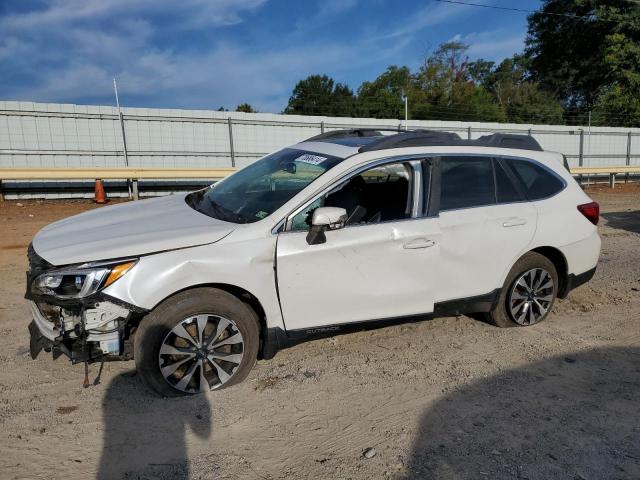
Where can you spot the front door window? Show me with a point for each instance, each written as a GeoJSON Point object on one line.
{"type": "Point", "coordinates": [380, 194]}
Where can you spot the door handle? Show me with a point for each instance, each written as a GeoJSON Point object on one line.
{"type": "Point", "coordinates": [514, 222]}
{"type": "Point", "coordinates": [419, 243]}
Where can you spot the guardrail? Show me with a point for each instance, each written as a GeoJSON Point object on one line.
{"type": "Point", "coordinates": [134, 174]}
{"type": "Point", "coordinates": [122, 173]}
{"type": "Point", "coordinates": [611, 171]}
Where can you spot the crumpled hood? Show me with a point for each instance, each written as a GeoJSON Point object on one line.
{"type": "Point", "coordinates": [127, 230]}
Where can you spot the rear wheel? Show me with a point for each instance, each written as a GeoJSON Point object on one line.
{"type": "Point", "coordinates": [198, 340]}
{"type": "Point", "coordinates": [528, 293]}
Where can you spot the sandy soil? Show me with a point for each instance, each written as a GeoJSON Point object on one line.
{"type": "Point", "coordinates": [447, 398]}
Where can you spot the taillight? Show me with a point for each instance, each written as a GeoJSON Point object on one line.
{"type": "Point", "coordinates": [591, 211]}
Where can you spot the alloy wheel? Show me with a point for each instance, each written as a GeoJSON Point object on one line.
{"type": "Point", "coordinates": [201, 353]}
{"type": "Point", "coordinates": [531, 296]}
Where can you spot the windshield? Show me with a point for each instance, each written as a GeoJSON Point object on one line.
{"type": "Point", "coordinates": [255, 192]}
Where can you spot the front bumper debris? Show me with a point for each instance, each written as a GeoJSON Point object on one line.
{"type": "Point", "coordinates": [84, 335]}
{"type": "Point", "coordinates": [96, 327]}
{"type": "Point", "coordinates": [37, 341]}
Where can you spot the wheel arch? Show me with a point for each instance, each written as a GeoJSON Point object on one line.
{"type": "Point", "coordinates": [560, 262]}
{"type": "Point", "coordinates": [241, 294]}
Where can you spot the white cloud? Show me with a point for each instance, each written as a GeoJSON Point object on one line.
{"type": "Point", "coordinates": [70, 54]}
{"type": "Point", "coordinates": [492, 44]}
{"type": "Point", "coordinates": [69, 51]}
{"type": "Point", "coordinates": [427, 17]}
{"type": "Point", "coordinates": [334, 7]}
{"type": "Point", "coordinates": [184, 12]}
{"type": "Point", "coordinates": [226, 75]}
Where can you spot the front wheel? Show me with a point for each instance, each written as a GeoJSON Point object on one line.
{"type": "Point", "coordinates": [528, 293]}
{"type": "Point", "coordinates": [198, 340]}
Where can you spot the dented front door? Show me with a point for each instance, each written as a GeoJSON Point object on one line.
{"type": "Point", "coordinates": [362, 272]}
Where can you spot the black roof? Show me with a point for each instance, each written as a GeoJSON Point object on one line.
{"type": "Point", "coordinates": [373, 139]}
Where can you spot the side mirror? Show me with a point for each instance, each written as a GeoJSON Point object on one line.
{"type": "Point", "coordinates": [323, 219]}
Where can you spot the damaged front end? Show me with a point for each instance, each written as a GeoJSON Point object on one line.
{"type": "Point", "coordinates": [72, 316]}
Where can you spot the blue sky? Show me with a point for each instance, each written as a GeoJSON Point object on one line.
{"type": "Point", "coordinates": [203, 54]}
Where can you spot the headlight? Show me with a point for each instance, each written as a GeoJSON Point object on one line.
{"type": "Point", "coordinates": [80, 281]}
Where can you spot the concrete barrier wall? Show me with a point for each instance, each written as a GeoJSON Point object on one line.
{"type": "Point", "coordinates": [64, 135]}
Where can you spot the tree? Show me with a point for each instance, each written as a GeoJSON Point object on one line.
{"type": "Point", "coordinates": [382, 98]}
{"type": "Point", "coordinates": [619, 103]}
{"type": "Point", "coordinates": [245, 107]}
{"type": "Point", "coordinates": [521, 99]}
{"type": "Point", "coordinates": [449, 93]}
{"type": "Point", "coordinates": [320, 95]}
{"type": "Point", "coordinates": [480, 70]}
{"type": "Point", "coordinates": [446, 66]}
{"type": "Point", "coordinates": [569, 56]}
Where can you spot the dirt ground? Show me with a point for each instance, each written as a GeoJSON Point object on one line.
{"type": "Point", "coordinates": [450, 398]}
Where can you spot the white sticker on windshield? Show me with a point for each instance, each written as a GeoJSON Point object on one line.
{"type": "Point", "coordinates": [310, 159]}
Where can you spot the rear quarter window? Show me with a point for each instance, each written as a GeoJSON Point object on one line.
{"type": "Point", "coordinates": [506, 191]}
{"type": "Point", "coordinates": [537, 181]}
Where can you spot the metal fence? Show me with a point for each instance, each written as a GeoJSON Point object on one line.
{"type": "Point", "coordinates": [48, 135]}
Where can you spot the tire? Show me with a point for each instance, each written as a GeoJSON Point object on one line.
{"type": "Point", "coordinates": [196, 330]}
{"type": "Point", "coordinates": [515, 291]}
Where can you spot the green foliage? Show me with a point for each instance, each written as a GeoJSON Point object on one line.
{"type": "Point", "coordinates": [589, 63]}
{"type": "Point", "coordinates": [245, 107]}
{"type": "Point", "coordinates": [480, 70]}
{"type": "Point", "coordinates": [320, 95]}
{"type": "Point", "coordinates": [619, 103]}
{"type": "Point", "coordinates": [446, 66]}
{"type": "Point", "coordinates": [571, 66]}
{"type": "Point", "coordinates": [382, 98]}
{"type": "Point", "coordinates": [449, 93]}
{"type": "Point", "coordinates": [521, 99]}
{"type": "Point", "coordinates": [617, 107]}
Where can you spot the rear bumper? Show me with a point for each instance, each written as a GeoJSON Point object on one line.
{"type": "Point", "coordinates": [582, 256]}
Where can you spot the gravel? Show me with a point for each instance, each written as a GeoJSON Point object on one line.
{"type": "Point", "coordinates": [448, 398]}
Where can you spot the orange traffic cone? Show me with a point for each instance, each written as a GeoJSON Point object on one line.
{"type": "Point", "coordinates": [100, 195]}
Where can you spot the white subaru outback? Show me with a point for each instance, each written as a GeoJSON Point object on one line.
{"type": "Point", "coordinates": [346, 230]}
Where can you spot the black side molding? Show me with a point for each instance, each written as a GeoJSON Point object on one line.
{"type": "Point", "coordinates": [477, 304]}
{"type": "Point", "coordinates": [275, 339]}
{"type": "Point", "coordinates": [574, 281]}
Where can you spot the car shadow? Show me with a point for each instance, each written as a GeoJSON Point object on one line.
{"type": "Point", "coordinates": [144, 436]}
{"type": "Point", "coordinates": [569, 417]}
{"type": "Point", "coordinates": [629, 221]}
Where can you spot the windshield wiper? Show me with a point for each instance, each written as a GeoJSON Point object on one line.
{"type": "Point", "coordinates": [226, 214]}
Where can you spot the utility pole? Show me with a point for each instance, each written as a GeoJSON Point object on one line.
{"type": "Point", "coordinates": [406, 110]}
{"type": "Point", "coordinates": [124, 143]}
{"type": "Point", "coordinates": [589, 137]}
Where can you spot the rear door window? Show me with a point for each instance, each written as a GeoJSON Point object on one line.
{"type": "Point", "coordinates": [537, 181]}
{"type": "Point", "coordinates": [466, 182]}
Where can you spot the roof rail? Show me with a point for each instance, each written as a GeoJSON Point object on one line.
{"type": "Point", "coordinates": [348, 133]}
{"type": "Point", "coordinates": [428, 138]}
{"type": "Point", "coordinates": [415, 138]}
{"type": "Point", "coordinates": [508, 140]}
